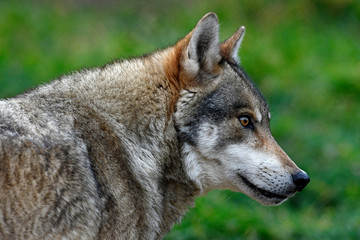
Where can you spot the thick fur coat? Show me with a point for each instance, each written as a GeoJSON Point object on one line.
{"type": "Point", "coordinates": [120, 152]}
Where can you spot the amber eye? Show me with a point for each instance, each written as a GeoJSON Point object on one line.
{"type": "Point", "coordinates": [245, 121]}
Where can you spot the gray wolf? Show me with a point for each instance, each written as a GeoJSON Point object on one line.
{"type": "Point", "coordinates": [121, 151]}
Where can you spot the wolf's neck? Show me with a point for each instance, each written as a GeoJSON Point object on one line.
{"type": "Point", "coordinates": [178, 192]}
{"type": "Point", "coordinates": [133, 104]}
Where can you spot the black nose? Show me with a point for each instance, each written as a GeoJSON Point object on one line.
{"type": "Point", "coordinates": [301, 179]}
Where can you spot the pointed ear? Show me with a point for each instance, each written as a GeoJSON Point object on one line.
{"type": "Point", "coordinates": [203, 53]}
{"type": "Point", "coordinates": [229, 49]}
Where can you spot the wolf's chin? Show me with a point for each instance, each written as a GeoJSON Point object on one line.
{"type": "Point", "coordinates": [263, 196]}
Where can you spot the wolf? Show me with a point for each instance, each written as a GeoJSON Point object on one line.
{"type": "Point", "coordinates": [122, 151]}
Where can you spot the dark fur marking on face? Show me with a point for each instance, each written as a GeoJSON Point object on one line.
{"type": "Point", "coordinates": [222, 104]}
{"type": "Point", "coordinates": [213, 108]}
{"type": "Point", "coordinates": [243, 75]}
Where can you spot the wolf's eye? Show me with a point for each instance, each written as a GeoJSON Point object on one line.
{"type": "Point", "coordinates": [245, 121]}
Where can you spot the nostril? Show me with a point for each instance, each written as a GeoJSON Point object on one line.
{"type": "Point", "coordinates": [301, 179]}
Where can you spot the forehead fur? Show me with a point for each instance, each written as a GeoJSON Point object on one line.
{"type": "Point", "coordinates": [234, 91]}
{"type": "Point", "coordinates": [242, 80]}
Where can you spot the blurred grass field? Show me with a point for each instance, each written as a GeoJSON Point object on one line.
{"type": "Point", "coordinates": [303, 55]}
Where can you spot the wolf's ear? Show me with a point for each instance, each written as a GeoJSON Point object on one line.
{"type": "Point", "coordinates": [203, 53]}
{"type": "Point", "coordinates": [230, 48]}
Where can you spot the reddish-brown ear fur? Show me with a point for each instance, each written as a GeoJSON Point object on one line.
{"type": "Point", "coordinates": [230, 47]}
{"type": "Point", "coordinates": [184, 66]}
{"type": "Point", "coordinates": [174, 71]}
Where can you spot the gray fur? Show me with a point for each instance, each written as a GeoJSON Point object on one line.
{"type": "Point", "coordinates": [116, 152]}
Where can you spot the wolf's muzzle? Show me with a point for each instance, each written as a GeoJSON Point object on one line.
{"type": "Point", "coordinates": [301, 179]}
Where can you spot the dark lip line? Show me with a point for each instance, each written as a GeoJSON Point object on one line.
{"type": "Point", "coordinates": [262, 191]}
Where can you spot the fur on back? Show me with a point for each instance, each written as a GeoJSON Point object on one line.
{"type": "Point", "coordinates": [120, 152]}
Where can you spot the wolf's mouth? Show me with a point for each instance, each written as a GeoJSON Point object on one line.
{"type": "Point", "coordinates": [261, 191]}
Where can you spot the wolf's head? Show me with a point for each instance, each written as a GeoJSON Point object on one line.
{"type": "Point", "coordinates": [223, 122]}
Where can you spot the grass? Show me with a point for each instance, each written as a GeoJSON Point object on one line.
{"type": "Point", "coordinates": [303, 55]}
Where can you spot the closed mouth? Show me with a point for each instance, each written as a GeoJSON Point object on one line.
{"type": "Point", "coordinates": [262, 191]}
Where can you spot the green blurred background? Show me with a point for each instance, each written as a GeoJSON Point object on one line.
{"type": "Point", "coordinates": [303, 55]}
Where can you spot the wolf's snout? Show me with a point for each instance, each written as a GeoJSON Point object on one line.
{"type": "Point", "coordinates": [301, 179]}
